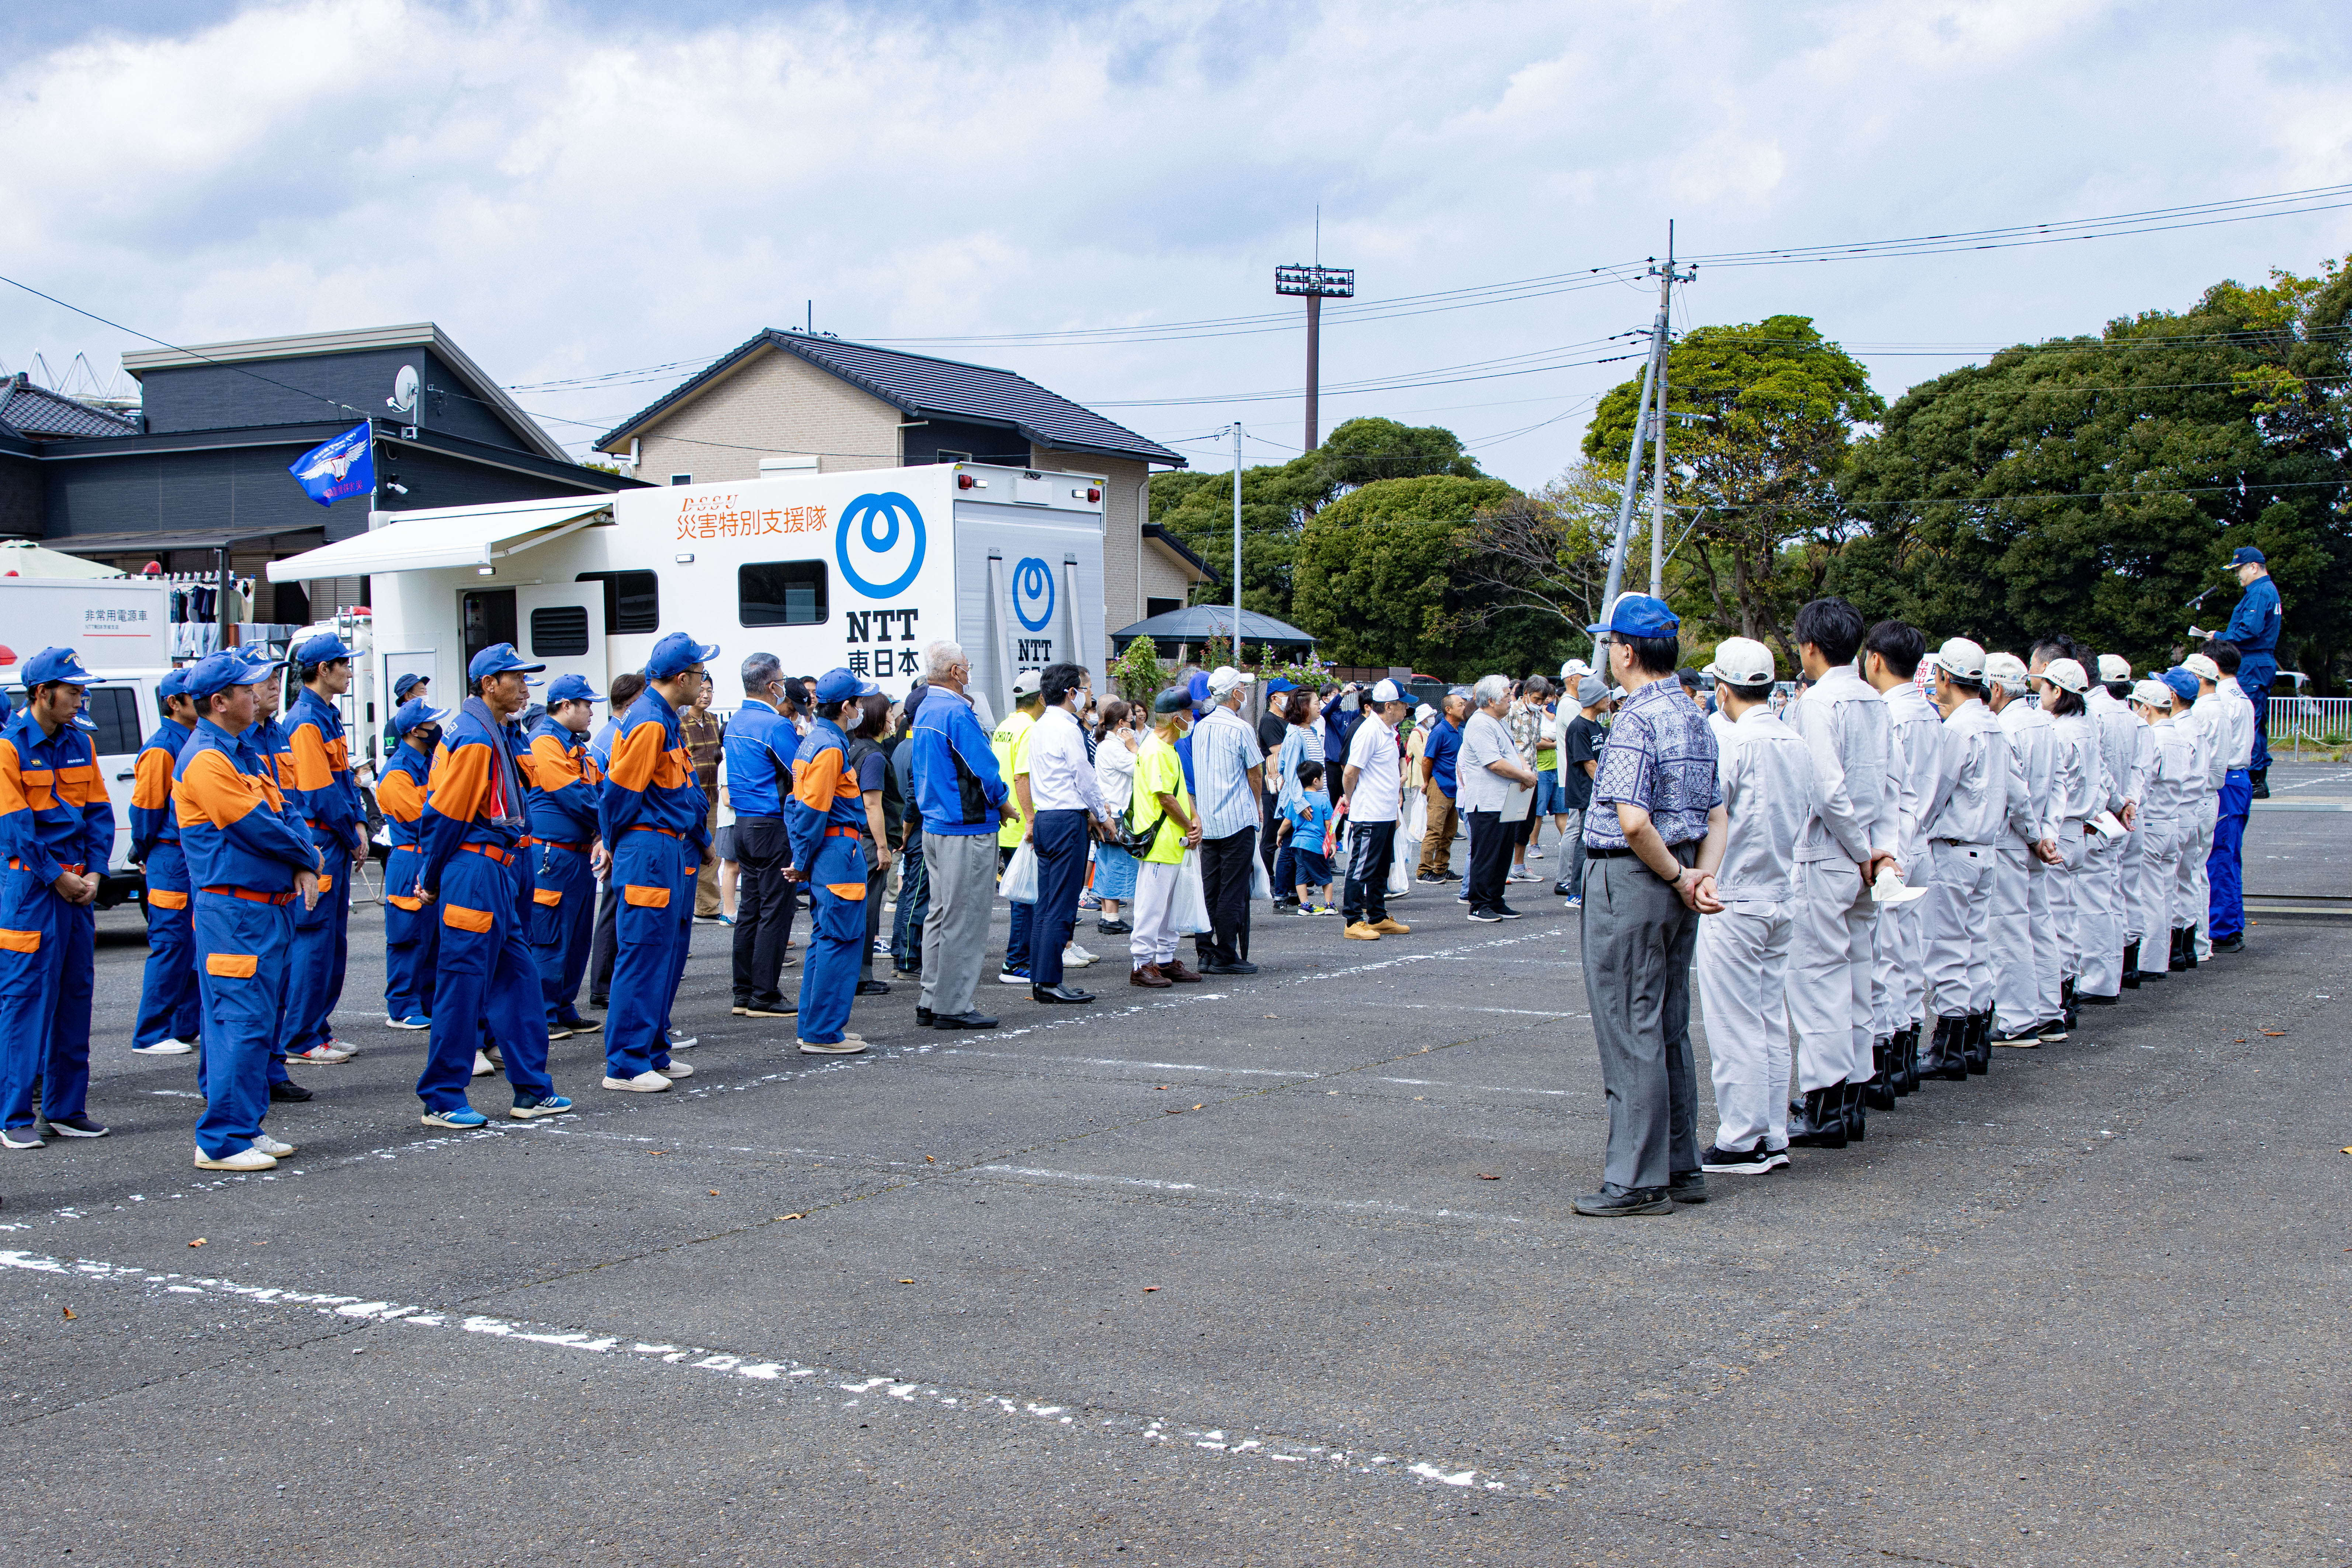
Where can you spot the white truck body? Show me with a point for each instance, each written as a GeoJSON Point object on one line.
{"type": "Point", "coordinates": [862, 569]}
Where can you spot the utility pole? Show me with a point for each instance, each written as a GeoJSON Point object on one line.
{"type": "Point", "coordinates": [1649, 423]}
{"type": "Point", "coordinates": [1666, 281]}
{"type": "Point", "coordinates": [1318, 283]}
{"type": "Point", "coordinates": [1237, 539]}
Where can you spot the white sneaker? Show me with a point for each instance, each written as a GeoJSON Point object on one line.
{"type": "Point", "coordinates": [482, 1067]}
{"type": "Point", "coordinates": [164, 1048]}
{"type": "Point", "coordinates": [679, 1040]}
{"type": "Point", "coordinates": [1075, 957]}
{"type": "Point", "coordinates": [646, 1082]}
{"type": "Point", "coordinates": [676, 1069]}
{"type": "Point", "coordinates": [276, 1149]}
{"type": "Point", "coordinates": [251, 1159]}
{"type": "Point", "coordinates": [324, 1055]}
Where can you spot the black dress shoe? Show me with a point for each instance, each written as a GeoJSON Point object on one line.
{"type": "Point", "coordinates": [1613, 1202]}
{"type": "Point", "coordinates": [289, 1093]}
{"type": "Point", "coordinates": [924, 1017]}
{"type": "Point", "coordinates": [1688, 1187]}
{"type": "Point", "coordinates": [1058, 993]}
{"type": "Point", "coordinates": [964, 1020]}
{"type": "Point", "coordinates": [873, 988]}
{"type": "Point", "coordinates": [1244, 967]}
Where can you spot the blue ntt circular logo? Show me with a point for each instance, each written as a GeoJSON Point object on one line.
{"type": "Point", "coordinates": [1032, 584]}
{"type": "Point", "coordinates": [878, 556]}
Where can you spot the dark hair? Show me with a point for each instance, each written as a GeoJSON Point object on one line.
{"type": "Point", "coordinates": [2060, 702]}
{"type": "Point", "coordinates": [1295, 706]}
{"type": "Point", "coordinates": [1059, 680]}
{"type": "Point", "coordinates": [627, 687]}
{"type": "Point", "coordinates": [1111, 715]}
{"type": "Point", "coordinates": [1653, 655]}
{"type": "Point", "coordinates": [1832, 625]}
{"type": "Point", "coordinates": [1539, 687]}
{"type": "Point", "coordinates": [1309, 770]}
{"type": "Point", "coordinates": [306, 674]}
{"type": "Point", "coordinates": [1960, 681]}
{"type": "Point", "coordinates": [876, 716]}
{"type": "Point", "coordinates": [1759, 692]}
{"type": "Point", "coordinates": [2226, 655]}
{"type": "Point", "coordinates": [2054, 647]}
{"type": "Point", "coordinates": [1898, 645]}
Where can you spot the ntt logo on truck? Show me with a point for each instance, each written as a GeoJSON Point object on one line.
{"type": "Point", "coordinates": [1033, 583]}
{"type": "Point", "coordinates": [878, 554]}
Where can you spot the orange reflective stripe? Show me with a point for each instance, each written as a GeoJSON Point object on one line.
{"type": "Point", "coordinates": [210, 789]}
{"type": "Point", "coordinates": [651, 898]}
{"type": "Point", "coordinates": [635, 756]}
{"type": "Point", "coordinates": [677, 769]}
{"type": "Point", "coordinates": [326, 884]}
{"type": "Point", "coordinates": [465, 919]}
{"type": "Point", "coordinates": [408, 902]}
{"type": "Point", "coordinates": [151, 787]}
{"type": "Point", "coordinates": [314, 764]}
{"type": "Point", "coordinates": [550, 897]}
{"type": "Point", "coordinates": [165, 898]}
{"type": "Point", "coordinates": [816, 782]}
{"type": "Point", "coordinates": [20, 941]}
{"type": "Point", "coordinates": [232, 966]}
{"type": "Point", "coordinates": [461, 781]}
{"type": "Point", "coordinates": [402, 798]}
{"type": "Point", "coordinates": [846, 890]}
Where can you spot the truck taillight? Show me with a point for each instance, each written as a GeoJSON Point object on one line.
{"type": "Point", "coordinates": [963, 481]}
{"type": "Point", "coordinates": [1093, 494]}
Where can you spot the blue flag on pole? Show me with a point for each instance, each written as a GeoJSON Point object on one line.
{"type": "Point", "coordinates": [342, 467]}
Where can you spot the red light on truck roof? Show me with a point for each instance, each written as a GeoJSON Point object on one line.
{"type": "Point", "coordinates": [963, 481]}
{"type": "Point", "coordinates": [1093, 493]}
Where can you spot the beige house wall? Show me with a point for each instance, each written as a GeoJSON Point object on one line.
{"type": "Point", "coordinates": [1165, 575]}
{"type": "Point", "coordinates": [772, 403]}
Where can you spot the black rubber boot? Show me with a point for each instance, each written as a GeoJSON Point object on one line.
{"type": "Point", "coordinates": [1979, 1052]}
{"type": "Point", "coordinates": [2188, 947]}
{"type": "Point", "coordinates": [2131, 966]}
{"type": "Point", "coordinates": [2261, 779]}
{"type": "Point", "coordinates": [2180, 960]}
{"type": "Point", "coordinates": [2067, 1008]}
{"type": "Point", "coordinates": [1878, 1094]}
{"type": "Point", "coordinates": [1815, 1122]}
{"type": "Point", "coordinates": [1849, 1100]}
{"type": "Point", "coordinates": [1908, 1081]}
{"type": "Point", "coordinates": [1947, 1053]}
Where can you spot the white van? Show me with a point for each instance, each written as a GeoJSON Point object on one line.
{"type": "Point", "coordinates": [859, 569]}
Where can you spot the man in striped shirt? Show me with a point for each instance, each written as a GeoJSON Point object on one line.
{"type": "Point", "coordinates": [1228, 770]}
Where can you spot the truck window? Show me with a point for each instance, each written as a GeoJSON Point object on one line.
{"type": "Point", "coordinates": [115, 711]}
{"type": "Point", "coordinates": [780, 593]}
{"type": "Point", "coordinates": [560, 631]}
{"type": "Point", "coordinates": [631, 600]}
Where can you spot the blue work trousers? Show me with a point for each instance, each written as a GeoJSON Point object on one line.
{"type": "Point", "coordinates": [829, 972]}
{"type": "Point", "coordinates": [1060, 836]}
{"type": "Point", "coordinates": [2225, 864]}
{"type": "Point", "coordinates": [2255, 674]}
{"type": "Point", "coordinates": [322, 948]}
{"type": "Point", "coordinates": [244, 949]}
{"type": "Point", "coordinates": [47, 948]}
{"type": "Point", "coordinates": [169, 1007]}
{"type": "Point", "coordinates": [654, 878]}
{"type": "Point", "coordinates": [411, 938]}
{"type": "Point", "coordinates": [484, 983]}
{"type": "Point", "coordinates": [914, 908]}
{"type": "Point", "coordinates": [563, 920]}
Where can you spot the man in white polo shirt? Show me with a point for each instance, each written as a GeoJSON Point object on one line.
{"type": "Point", "coordinates": [1373, 789]}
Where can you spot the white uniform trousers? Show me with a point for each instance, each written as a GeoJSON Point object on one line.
{"type": "Point", "coordinates": [2192, 901]}
{"type": "Point", "coordinates": [1830, 957]}
{"type": "Point", "coordinates": [1743, 988]}
{"type": "Point", "coordinates": [1154, 939]}
{"type": "Point", "coordinates": [1898, 981]}
{"type": "Point", "coordinates": [2099, 916]}
{"type": "Point", "coordinates": [2041, 898]}
{"type": "Point", "coordinates": [1958, 919]}
{"type": "Point", "coordinates": [2015, 935]}
{"type": "Point", "coordinates": [2159, 870]}
{"type": "Point", "coordinates": [2130, 859]}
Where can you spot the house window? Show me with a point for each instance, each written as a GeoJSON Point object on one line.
{"type": "Point", "coordinates": [1161, 607]}
{"type": "Point", "coordinates": [781, 593]}
{"type": "Point", "coordinates": [944, 456]}
{"type": "Point", "coordinates": [631, 600]}
{"type": "Point", "coordinates": [681, 479]}
{"type": "Point", "coordinates": [560, 631]}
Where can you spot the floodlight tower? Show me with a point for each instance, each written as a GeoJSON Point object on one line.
{"type": "Point", "coordinates": [1318, 283]}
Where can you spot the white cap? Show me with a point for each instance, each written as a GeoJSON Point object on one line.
{"type": "Point", "coordinates": [2152, 694]}
{"type": "Point", "coordinates": [1961, 657]}
{"type": "Point", "coordinates": [2007, 668]}
{"type": "Point", "coordinates": [2202, 668]}
{"type": "Point", "coordinates": [1223, 679]}
{"type": "Point", "coordinates": [2066, 675]}
{"type": "Point", "coordinates": [1574, 670]}
{"type": "Point", "coordinates": [1743, 661]}
{"type": "Point", "coordinates": [1423, 714]}
{"type": "Point", "coordinates": [1388, 691]}
{"type": "Point", "coordinates": [2114, 667]}
{"type": "Point", "coordinates": [1027, 682]}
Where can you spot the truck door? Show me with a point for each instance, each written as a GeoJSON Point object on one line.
{"type": "Point", "coordinates": [487, 616]}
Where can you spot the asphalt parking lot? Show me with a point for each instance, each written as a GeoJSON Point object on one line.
{"type": "Point", "coordinates": [1269, 1271]}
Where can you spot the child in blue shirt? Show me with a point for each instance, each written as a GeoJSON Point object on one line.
{"type": "Point", "coordinates": [1306, 820]}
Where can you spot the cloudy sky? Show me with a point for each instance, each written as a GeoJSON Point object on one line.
{"type": "Point", "coordinates": [577, 190]}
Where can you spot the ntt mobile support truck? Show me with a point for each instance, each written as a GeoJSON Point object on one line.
{"type": "Point", "coordinates": [860, 569]}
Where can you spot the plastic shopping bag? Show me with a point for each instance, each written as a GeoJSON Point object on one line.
{"type": "Point", "coordinates": [1187, 914]}
{"type": "Point", "coordinates": [1019, 882]}
{"type": "Point", "coordinates": [1400, 864]}
{"type": "Point", "coordinates": [1261, 882]}
{"type": "Point", "coordinates": [1417, 819]}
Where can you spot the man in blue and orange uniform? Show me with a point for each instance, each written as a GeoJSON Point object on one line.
{"type": "Point", "coordinates": [412, 933]}
{"type": "Point", "coordinates": [476, 873]}
{"type": "Point", "coordinates": [169, 1007]}
{"type": "Point", "coordinates": [566, 854]}
{"type": "Point", "coordinates": [268, 740]}
{"type": "Point", "coordinates": [826, 818]}
{"type": "Point", "coordinates": [57, 834]}
{"type": "Point", "coordinates": [250, 859]}
{"type": "Point", "coordinates": [330, 802]}
{"type": "Point", "coordinates": [652, 813]}
{"type": "Point", "coordinates": [760, 744]}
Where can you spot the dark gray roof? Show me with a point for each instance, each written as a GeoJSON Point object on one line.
{"type": "Point", "coordinates": [1199, 623]}
{"type": "Point", "coordinates": [44, 416]}
{"type": "Point", "coordinates": [917, 384]}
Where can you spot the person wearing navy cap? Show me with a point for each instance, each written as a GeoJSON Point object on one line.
{"type": "Point", "coordinates": [410, 932]}
{"type": "Point", "coordinates": [169, 1007]}
{"type": "Point", "coordinates": [266, 737]}
{"type": "Point", "coordinates": [57, 834]}
{"type": "Point", "coordinates": [324, 792]}
{"type": "Point", "coordinates": [651, 812]}
{"type": "Point", "coordinates": [250, 858]}
{"type": "Point", "coordinates": [826, 819]}
{"type": "Point", "coordinates": [410, 688]}
{"type": "Point", "coordinates": [567, 856]}
{"type": "Point", "coordinates": [759, 746]}
{"type": "Point", "coordinates": [2253, 630]}
{"type": "Point", "coordinates": [476, 873]}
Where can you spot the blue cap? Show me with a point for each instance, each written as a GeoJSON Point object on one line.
{"type": "Point", "coordinates": [1279, 684]}
{"type": "Point", "coordinates": [258, 665]}
{"type": "Point", "coordinates": [572, 689]}
{"type": "Point", "coordinates": [1638, 615]}
{"type": "Point", "coordinates": [2247, 555]}
{"type": "Point", "coordinates": [406, 684]}
{"type": "Point", "coordinates": [839, 686]}
{"type": "Point", "coordinates": [676, 652]}
{"type": "Point", "coordinates": [420, 711]}
{"type": "Point", "coordinates": [499, 659]}
{"type": "Point", "coordinates": [324, 648]}
{"type": "Point", "coordinates": [2184, 685]}
{"type": "Point", "coordinates": [173, 685]}
{"type": "Point", "coordinates": [1199, 687]}
{"type": "Point", "coordinates": [218, 672]}
{"type": "Point", "coordinates": [58, 664]}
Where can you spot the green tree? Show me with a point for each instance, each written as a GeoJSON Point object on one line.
{"type": "Point", "coordinates": [1361, 451]}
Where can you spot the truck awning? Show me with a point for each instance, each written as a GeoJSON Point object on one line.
{"type": "Point", "coordinates": [446, 536]}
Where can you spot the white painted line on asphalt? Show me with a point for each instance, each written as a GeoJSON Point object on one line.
{"type": "Point", "coordinates": [1124, 1062]}
{"type": "Point", "coordinates": [1475, 1087]}
{"type": "Point", "coordinates": [1247, 1195]}
{"type": "Point", "coordinates": [784, 1377]}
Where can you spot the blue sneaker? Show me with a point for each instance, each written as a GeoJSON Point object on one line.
{"type": "Point", "coordinates": [414, 1021]}
{"type": "Point", "coordinates": [465, 1119]}
{"type": "Point", "coordinates": [1575, 902]}
{"type": "Point", "coordinates": [527, 1109]}
{"type": "Point", "coordinates": [1012, 977]}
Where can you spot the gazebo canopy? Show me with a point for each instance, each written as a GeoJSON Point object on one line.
{"type": "Point", "coordinates": [1199, 623]}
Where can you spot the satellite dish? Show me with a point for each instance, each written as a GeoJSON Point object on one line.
{"type": "Point", "coordinates": [404, 391]}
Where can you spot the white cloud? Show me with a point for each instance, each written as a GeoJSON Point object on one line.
{"type": "Point", "coordinates": [569, 190]}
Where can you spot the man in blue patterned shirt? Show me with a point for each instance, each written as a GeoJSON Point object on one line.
{"type": "Point", "coordinates": [1653, 838]}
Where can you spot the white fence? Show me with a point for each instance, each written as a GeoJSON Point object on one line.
{"type": "Point", "coordinates": [2298, 721]}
